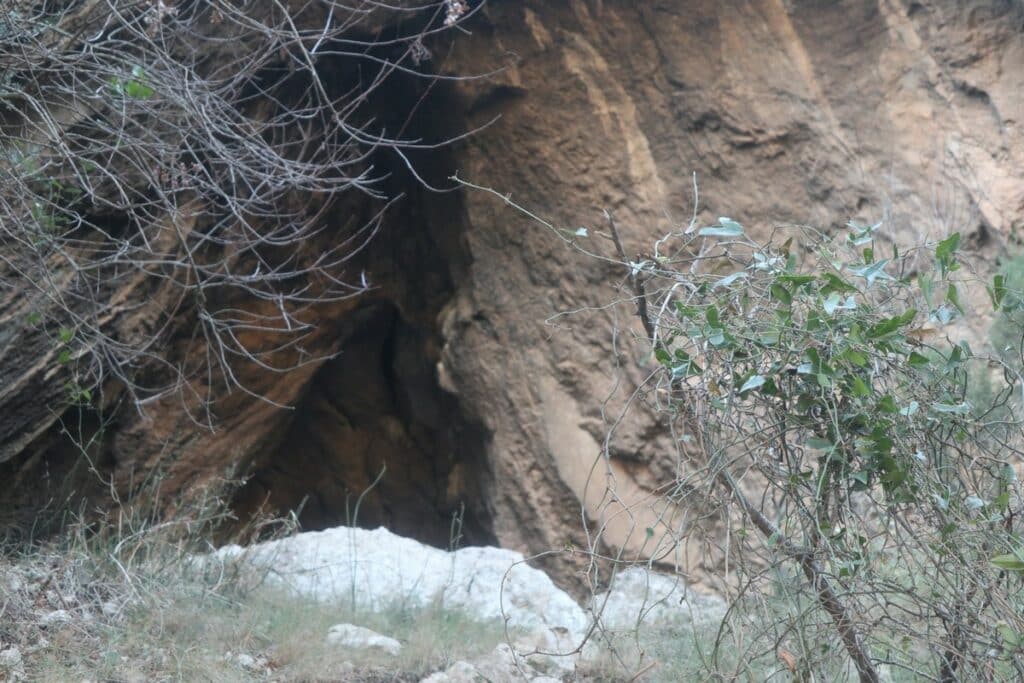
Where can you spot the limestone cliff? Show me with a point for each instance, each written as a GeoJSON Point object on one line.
{"type": "Point", "coordinates": [464, 372]}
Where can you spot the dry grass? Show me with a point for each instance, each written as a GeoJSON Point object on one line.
{"type": "Point", "coordinates": [117, 606]}
{"type": "Point", "coordinates": [262, 636]}
{"type": "Point", "coordinates": [122, 602]}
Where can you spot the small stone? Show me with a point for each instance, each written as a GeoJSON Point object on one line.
{"type": "Point", "coordinates": [459, 672]}
{"type": "Point", "coordinates": [14, 583]}
{"type": "Point", "coordinates": [357, 637]}
{"type": "Point", "coordinates": [12, 666]}
{"type": "Point", "coordinates": [54, 618]}
{"type": "Point", "coordinates": [10, 658]}
{"type": "Point", "coordinates": [39, 646]}
{"type": "Point", "coordinates": [639, 595]}
{"type": "Point", "coordinates": [250, 663]}
{"type": "Point", "coordinates": [551, 650]}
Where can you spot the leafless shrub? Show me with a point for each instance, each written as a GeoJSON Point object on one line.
{"type": "Point", "coordinates": [166, 161]}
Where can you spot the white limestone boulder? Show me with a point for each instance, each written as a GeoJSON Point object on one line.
{"type": "Point", "coordinates": [374, 569]}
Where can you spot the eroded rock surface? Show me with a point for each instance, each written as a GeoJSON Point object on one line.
{"type": "Point", "coordinates": [787, 112]}
{"type": "Point", "coordinates": [461, 374]}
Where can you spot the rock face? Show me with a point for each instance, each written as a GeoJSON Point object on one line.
{"type": "Point", "coordinates": [786, 111]}
{"type": "Point", "coordinates": [461, 376]}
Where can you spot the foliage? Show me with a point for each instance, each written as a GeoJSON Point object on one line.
{"type": "Point", "coordinates": [824, 376]}
{"type": "Point", "coordinates": [1008, 327]}
{"type": "Point", "coordinates": [821, 411]}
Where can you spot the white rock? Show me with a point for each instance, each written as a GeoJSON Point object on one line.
{"type": "Point", "coordinates": [10, 658]}
{"type": "Point", "coordinates": [250, 663]}
{"type": "Point", "coordinates": [245, 661]}
{"type": "Point", "coordinates": [459, 672]}
{"type": "Point", "coordinates": [13, 583]}
{"type": "Point", "coordinates": [549, 650]}
{"type": "Point", "coordinates": [55, 618]}
{"type": "Point", "coordinates": [12, 664]}
{"type": "Point", "coordinates": [500, 666]}
{"type": "Point", "coordinates": [359, 638]}
{"type": "Point", "coordinates": [641, 597]}
{"type": "Point", "coordinates": [40, 645]}
{"type": "Point", "coordinates": [375, 568]}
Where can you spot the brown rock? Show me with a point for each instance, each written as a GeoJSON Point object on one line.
{"type": "Point", "coordinates": [462, 372]}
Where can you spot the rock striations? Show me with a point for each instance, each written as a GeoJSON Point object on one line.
{"type": "Point", "coordinates": [459, 377]}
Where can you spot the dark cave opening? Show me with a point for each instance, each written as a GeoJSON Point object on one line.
{"type": "Point", "coordinates": [376, 441]}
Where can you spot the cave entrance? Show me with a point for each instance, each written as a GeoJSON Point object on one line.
{"type": "Point", "coordinates": [376, 441]}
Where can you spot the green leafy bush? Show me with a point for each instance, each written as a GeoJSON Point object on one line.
{"type": "Point", "coordinates": [821, 407]}
{"type": "Point", "coordinates": [1008, 327]}
{"type": "Point", "coordinates": [831, 405]}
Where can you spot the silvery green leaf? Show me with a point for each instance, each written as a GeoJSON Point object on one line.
{"type": "Point", "coordinates": [872, 272]}
{"type": "Point", "coordinates": [753, 383]}
{"type": "Point", "coordinates": [910, 410]}
{"type": "Point", "coordinates": [944, 314]}
{"type": "Point", "coordinates": [832, 303]}
{"type": "Point", "coordinates": [727, 222]}
{"type": "Point", "coordinates": [862, 233]}
{"type": "Point", "coordinates": [1013, 562]}
{"type": "Point", "coordinates": [729, 279]}
{"type": "Point", "coordinates": [860, 227]}
{"type": "Point", "coordinates": [726, 228]}
{"type": "Point", "coordinates": [581, 232]}
{"type": "Point", "coordinates": [955, 409]}
{"type": "Point", "coordinates": [974, 503]}
{"type": "Point", "coordinates": [635, 268]}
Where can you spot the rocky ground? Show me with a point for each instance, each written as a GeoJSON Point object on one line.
{"type": "Point", "coordinates": [344, 604]}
